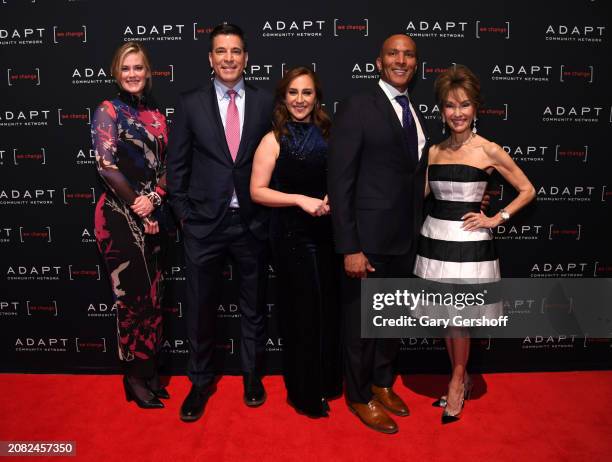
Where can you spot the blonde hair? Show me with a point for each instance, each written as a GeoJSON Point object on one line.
{"type": "Point", "coordinates": [122, 52]}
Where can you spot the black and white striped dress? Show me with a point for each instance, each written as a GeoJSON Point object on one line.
{"type": "Point", "coordinates": [447, 253]}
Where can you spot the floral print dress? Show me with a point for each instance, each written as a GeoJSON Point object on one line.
{"type": "Point", "coordinates": [130, 139]}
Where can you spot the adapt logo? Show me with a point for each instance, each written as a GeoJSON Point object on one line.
{"type": "Point", "coordinates": [519, 232]}
{"type": "Point", "coordinates": [33, 273]}
{"type": "Point", "coordinates": [446, 29]}
{"type": "Point", "coordinates": [153, 32]}
{"type": "Point", "coordinates": [41, 344]}
{"type": "Point", "coordinates": [25, 118]}
{"type": "Point", "coordinates": [9, 308]}
{"type": "Point", "coordinates": [27, 196]}
{"type": "Point", "coordinates": [421, 344]}
{"type": "Point", "coordinates": [101, 310]}
{"type": "Point", "coordinates": [566, 193]}
{"type": "Point", "coordinates": [85, 156]}
{"type": "Point", "coordinates": [229, 310]}
{"type": "Point", "coordinates": [258, 72]}
{"type": "Point", "coordinates": [22, 36]}
{"type": "Point", "coordinates": [572, 114]}
{"type": "Point", "coordinates": [571, 269]}
{"type": "Point", "coordinates": [543, 342]}
{"type": "Point", "coordinates": [304, 28]}
{"type": "Point", "coordinates": [365, 70]}
{"type": "Point", "coordinates": [588, 33]}
{"type": "Point", "coordinates": [90, 75]}
{"type": "Point", "coordinates": [522, 72]}
{"type": "Point", "coordinates": [176, 346]}
{"type": "Point", "coordinates": [274, 344]}
{"type": "Point", "coordinates": [527, 153]}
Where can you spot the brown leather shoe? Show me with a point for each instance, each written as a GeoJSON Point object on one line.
{"type": "Point", "coordinates": [388, 398]}
{"type": "Point", "coordinates": [374, 416]}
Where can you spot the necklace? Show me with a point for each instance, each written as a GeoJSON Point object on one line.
{"type": "Point", "coordinates": [458, 145]}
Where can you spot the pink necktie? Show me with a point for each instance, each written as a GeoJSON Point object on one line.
{"type": "Point", "coordinates": [232, 125]}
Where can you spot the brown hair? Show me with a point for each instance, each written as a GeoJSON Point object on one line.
{"type": "Point", "coordinates": [281, 115]}
{"type": "Point", "coordinates": [458, 77]}
{"type": "Point", "coordinates": [122, 52]}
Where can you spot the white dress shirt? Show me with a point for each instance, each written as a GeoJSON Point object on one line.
{"type": "Point", "coordinates": [391, 93]}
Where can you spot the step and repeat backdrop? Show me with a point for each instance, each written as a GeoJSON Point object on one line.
{"type": "Point", "coordinates": [545, 73]}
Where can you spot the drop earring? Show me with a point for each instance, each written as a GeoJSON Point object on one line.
{"type": "Point", "coordinates": [474, 129]}
{"type": "Point", "coordinates": [443, 126]}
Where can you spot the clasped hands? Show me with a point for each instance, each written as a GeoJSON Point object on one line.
{"type": "Point", "coordinates": [313, 206]}
{"type": "Point", "coordinates": [143, 207]}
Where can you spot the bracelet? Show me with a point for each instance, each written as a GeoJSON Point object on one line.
{"type": "Point", "coordinates": [154, 198]}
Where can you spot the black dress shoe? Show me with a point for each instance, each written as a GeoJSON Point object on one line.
{"type": "Point", "coordinates": [254, 391]}
{"type": "Point", "coordinates": [193, 406]}
{"type": "Point", "coordinates": [137, 392]}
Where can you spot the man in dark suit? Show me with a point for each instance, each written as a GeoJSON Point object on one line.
{"type": "Point", "coordinates": [215, 133]}
{"type": "Point", "coordinates": [377, 165]}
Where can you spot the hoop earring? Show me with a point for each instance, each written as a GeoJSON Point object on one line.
{"type": "Point", "coordinates": [474, 129]}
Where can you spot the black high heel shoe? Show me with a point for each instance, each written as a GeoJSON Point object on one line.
{"type": "Point", "coordinates": [466, 394]}
{"type": "Point", "coordinates": [447, 417]}
{"type": "Point", "coordinates": [157, 388]}
{"type": "Point", "coordinates": [130, 395]}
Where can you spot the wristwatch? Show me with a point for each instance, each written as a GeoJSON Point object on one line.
{"type": "Point", "coordinates": [505, 215]}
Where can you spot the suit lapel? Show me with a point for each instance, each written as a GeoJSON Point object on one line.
{"type": "Point", "coordinates": [386, 108]}
{"type": "Point", "coordinates": [425, 134]}
{"type": "Point", "coordinates": [208, 98]}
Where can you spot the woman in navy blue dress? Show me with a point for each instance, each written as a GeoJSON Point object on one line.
{"type": "Point", "coordinates": [289, 174]}
{"type": "Point", "coordinates": [129, 137]}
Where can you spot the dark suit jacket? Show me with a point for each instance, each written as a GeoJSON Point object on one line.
{"type": "Point", "coordinates": [201, 175]}
{"type": "Point", "coordinates": [375, 189]}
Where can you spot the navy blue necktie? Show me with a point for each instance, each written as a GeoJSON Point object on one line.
{"type": "Point", "coordinates": [409, 127]}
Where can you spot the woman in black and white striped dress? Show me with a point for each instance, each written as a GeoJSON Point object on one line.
{"type": "Point", "coordinates": [456, 240]}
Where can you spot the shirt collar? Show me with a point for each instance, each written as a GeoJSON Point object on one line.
{"type": "Point", "coordinates": [221, 89]}
{"type": "Point", "coordinates": [391, 91]}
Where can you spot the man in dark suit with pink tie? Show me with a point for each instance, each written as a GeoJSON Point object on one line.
{"type": "Point", "coordinates": [215, 133]}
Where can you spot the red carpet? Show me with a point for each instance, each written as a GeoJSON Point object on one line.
{"type": "Point", "coordinates": [513, 417]}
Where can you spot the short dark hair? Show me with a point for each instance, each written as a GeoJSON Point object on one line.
{"type": "Point", "coordinates": [228, 29]}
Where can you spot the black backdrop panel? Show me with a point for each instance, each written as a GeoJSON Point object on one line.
{"type": "Point", "coordinates": [545, 74]}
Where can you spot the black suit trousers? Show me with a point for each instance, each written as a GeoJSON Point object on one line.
{"type": "Point", "coordinates": [369, 362]}
{"type": "Point", "coordinates": [204, 259]}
